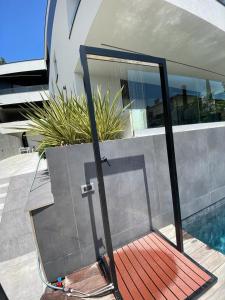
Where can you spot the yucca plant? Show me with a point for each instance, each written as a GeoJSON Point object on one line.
{"type": "Point", "coordinates": [64, 120]}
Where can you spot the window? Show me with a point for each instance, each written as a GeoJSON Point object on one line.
{"type": "Point", "coordinates": [194, 99]}
{"type": "Point", "coordinates": [72, 7]}
{"type": "Point", "coordinates": [15, 112]}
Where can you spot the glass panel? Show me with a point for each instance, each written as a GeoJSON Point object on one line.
{"type": "Point", "coordinates": [72, 7]}
{"type": "Point", "coordinates": [197, 96]}
{"type": "Point", "coordinates": [137, 180]}
{"type": "Point", "coordinates": [23, 89]}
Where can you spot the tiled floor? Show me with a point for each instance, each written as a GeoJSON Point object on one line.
{"type": "Point", "coordinates": [18, 258]}
{"type": "Point", "coordinates": [4, 184]}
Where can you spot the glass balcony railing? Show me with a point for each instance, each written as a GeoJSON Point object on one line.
{"type": "Point", "coordinates": [196, 95]}
{"type": "Point", "coordinates": [24, 89]}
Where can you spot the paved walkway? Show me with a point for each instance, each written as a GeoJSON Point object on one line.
{"type": "Point", "coordinates": [4, 184]}
{"type": "Point", "coordinates": [18, 260]}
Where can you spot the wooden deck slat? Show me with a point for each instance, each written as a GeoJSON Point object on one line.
{"type": "Point", "coordinates": [173, 275]}
{"type": "Point", "coordinates": [135, 277]}
{"type": "Point", "coordinates": [127, 278]}
{"type": "Point", "coordinates": [162, 274]}
{"type": "Point", "coordinates": [172, 264]}
{"type": "Point", "coordinates": [184, 259]}
{"type": "Point", "coordinates": [151, 273]}
{"type": "Point", "coordinates": [123, 288]}
{"type": "Point", "coordinates": [145, 277]}
{"type": "Point", "coordinates": [144, 272]}
{"type": "Point", "coordinates": [150, 268]}
{"type": "Point", "coordinates": [188, 270]}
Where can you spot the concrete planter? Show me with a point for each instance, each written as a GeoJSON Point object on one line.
{"type": "Point", "coordinates": [70, 233]}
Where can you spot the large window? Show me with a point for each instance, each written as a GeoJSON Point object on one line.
{"type": "Point", "coordinates": [15, 112]}
{"type": "Point", "coordinates": [23, 82]}
{"type": "Point", "coordinates": [194, 99]}
{"type": "Point", "coordinates": [72, 7]}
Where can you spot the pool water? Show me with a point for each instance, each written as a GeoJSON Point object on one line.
{"type": "Point", "coordinates": [209, 226]}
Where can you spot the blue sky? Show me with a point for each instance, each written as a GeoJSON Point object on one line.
{"type": "Point", "coordinates": [22, 29]}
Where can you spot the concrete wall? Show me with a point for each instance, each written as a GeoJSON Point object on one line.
{"type": "Point", "coordinates": [9, 145]}
{"type": "Point", "coordinates": [69, 232]}
{"type": "Point", "coordinates": [67, 60]}
{"type": "Point", "coordinates": [18, 256]}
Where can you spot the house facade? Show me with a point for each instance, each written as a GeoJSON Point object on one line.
{"type": "Point", "coordinates": [20, 83]}
{"type": "Point", "coordinates": [190, 35]}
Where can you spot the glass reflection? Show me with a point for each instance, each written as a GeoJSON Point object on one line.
{"type": "Point", "coordinates": [194, 100]}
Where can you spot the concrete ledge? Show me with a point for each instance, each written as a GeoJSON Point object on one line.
{"type": "Point", "coordinates": [40, 195]}
{"type": "Point", "coordinates": [180, 128]}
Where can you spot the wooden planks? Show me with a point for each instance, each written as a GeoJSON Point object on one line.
{"type": "Point", "coordinates": [150, 268]}
{"type": "Point", "coordinates": [210, 259]}
{"type": "Point", "coordinates": [87, 280]}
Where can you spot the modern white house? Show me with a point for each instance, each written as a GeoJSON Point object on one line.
{"type": "Point", "coordinates": [20, 82]}
{"type": "Point", "coordinates": [145, 186]}
{"type": "Point", "coordinates": [190, 35]}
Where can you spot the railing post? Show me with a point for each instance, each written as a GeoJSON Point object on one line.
{"type": "Point", "coordinates": [2, 294]}
{"type": "Point", "coordinates": [171, 155]}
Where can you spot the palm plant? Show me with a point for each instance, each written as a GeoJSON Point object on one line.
{"type": "Point", "coordinates": [64, 120]}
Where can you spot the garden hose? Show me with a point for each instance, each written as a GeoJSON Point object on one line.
{"type": "Point", "coordinates": [73, 292]}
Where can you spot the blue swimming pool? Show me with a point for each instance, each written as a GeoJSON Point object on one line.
{"type": "Point", "coordinates": [209, 226]}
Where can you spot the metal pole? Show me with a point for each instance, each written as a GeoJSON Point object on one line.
{"type": "Point", "coordinates": [171, 155]}
{"type": "Point", "coordinates": [98, 163]}
{"type": "Point", "coordinates": [2, 293]}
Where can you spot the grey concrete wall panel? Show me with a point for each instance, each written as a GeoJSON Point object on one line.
{"type": "Point", "coordinates": [74, 222]}
{"type": "Point", "coordinates": [9, 145]}
{"type": "Point", "coordinates": [16, 236]}
{"type": "Point", "coordinates": [70, 232]}
{"type": "Point", "coordinates": [216, 151]}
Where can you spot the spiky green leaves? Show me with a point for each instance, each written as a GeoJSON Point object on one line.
{"type": "Point", "coordinates": [65, 120]}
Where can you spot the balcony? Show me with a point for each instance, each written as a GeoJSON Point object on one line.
{"type": "Point", "coordinates": [23, 94]}
{"type": "Point", "coordinates": [24, 89]}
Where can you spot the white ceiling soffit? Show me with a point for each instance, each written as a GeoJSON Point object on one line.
{"type": "Point", "coordinates": [159, 28]}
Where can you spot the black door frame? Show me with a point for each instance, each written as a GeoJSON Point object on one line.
{"type": "Point", "coordinates": [85, 53]}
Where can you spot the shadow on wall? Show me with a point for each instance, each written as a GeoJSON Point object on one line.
{"type": "Point", "coordinates": [125, 211]}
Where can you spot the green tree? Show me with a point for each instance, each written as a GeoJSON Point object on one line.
{"type": "Point", "coordinates": [2, 61]}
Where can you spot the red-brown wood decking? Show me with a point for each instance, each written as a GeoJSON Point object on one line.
{"type": "Point", "coordinates": [150, 268]}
